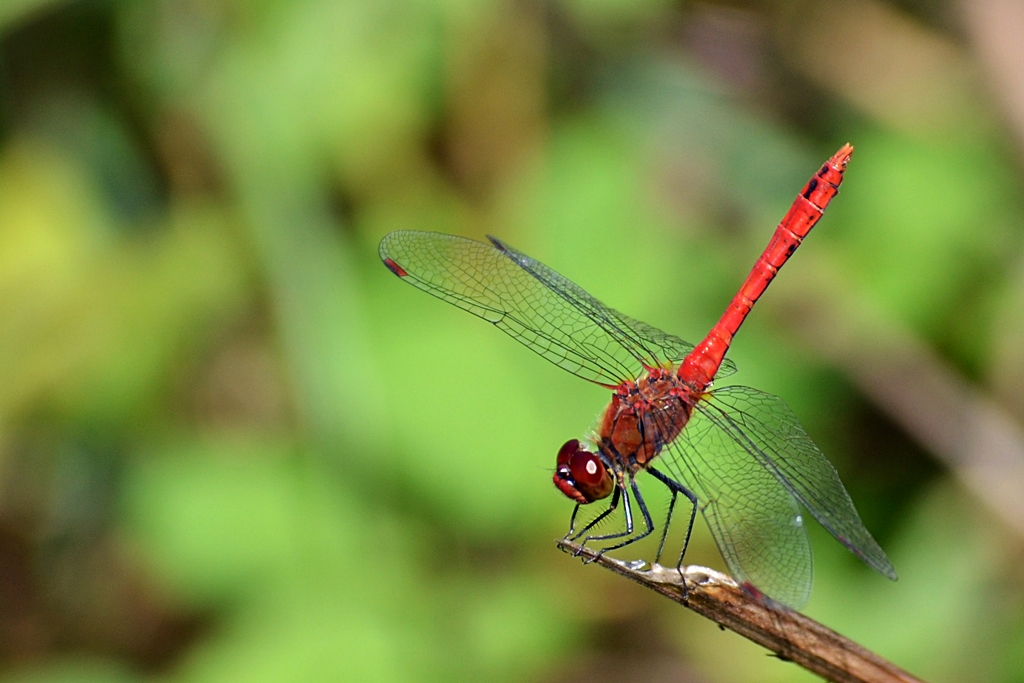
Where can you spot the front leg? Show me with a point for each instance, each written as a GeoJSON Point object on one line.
{"type": "Point", "coordinates": [594, 522]}
{"type": "Point", "coordinates": [648, 524]}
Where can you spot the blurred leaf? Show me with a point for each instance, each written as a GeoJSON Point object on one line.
{"type": "Point", "coordinates": [72, 671]}
{"type": "Point", "coordinates": [921, 221]}
{"type": "Point", "coordinates": [329, 587]}
{"type": "Point", "coordinates": [91, 322]}
{"type": "Point", "coordinates": [606, 13]}
{"type": "Point", "coordinates": [13, 11]}
{"type": "Point", "coordinates": [218, 518]}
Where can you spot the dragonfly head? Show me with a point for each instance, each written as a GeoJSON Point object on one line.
{"type": "Point", "coordinates": [581, 475]}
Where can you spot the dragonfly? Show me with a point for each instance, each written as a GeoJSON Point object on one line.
{"type": "Point", "coordinates": [737, 455]}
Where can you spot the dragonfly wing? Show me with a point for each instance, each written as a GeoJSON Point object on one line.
{"type": "Point", "coordinates": [656, 345]}
{"type": "Point", "coordinates": [753, 518]}
{"type": "Point", "coordinates": [765, 427]}
{"type": "Point", "coordinates": [531, 303]}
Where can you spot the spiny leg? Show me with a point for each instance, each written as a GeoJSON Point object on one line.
{"type": "Point", "coordinates": [664, 531]}
{"type": "Point", "coordinates": [633, 539]}
{"type": "Point", "coordinates": [597, 520]}
{"type": "Point", "coordinates": [675, 487]}
{"type": "Point", "coordinates": [628, 510]}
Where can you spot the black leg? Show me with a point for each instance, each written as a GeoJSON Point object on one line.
{"type": "Point", "coordinates": [633, 539]}
{"type": "Point", "coordinates": [597, 520]}
{"type": "Point", "coordinates": [664, 531]}
{"type": "Point", "coordinates": [572, 521]}
{"type": "Point", "coordinates": [676, 488]}
{"type": "Point", "coordinates": [628, 510]}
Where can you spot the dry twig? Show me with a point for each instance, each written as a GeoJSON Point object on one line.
{"type": "Point", "coordinates": [789, 634]}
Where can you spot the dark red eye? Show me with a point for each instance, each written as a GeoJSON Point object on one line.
{"type": "Point", "coordinates": [565, 453]}
{"type": "Point", "coordinates": [587, 469]}
{"type": "Point", "coordinates": [581, 475]}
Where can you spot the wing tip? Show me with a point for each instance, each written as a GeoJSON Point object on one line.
{"type": "Point", "coordinates": [876, 559]}
{"type": "Point", "coordinates": [889, 572]}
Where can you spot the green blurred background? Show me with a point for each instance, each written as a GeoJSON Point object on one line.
{"type": "Point", "coordinates": [233, 447]}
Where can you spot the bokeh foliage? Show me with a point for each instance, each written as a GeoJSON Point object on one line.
{"type": "Point", "coordinates": [234, 447]}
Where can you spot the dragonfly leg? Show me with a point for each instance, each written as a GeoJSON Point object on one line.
{"type": "Point", "coordinates": [648, 524]}
{"type": "Point", "coordinates": [664, 531]}
{"type": "Point", "coordinates": [628, 510]}
{"type": "Point", "coordinates": [675, 487]}
{"type": "Point", "coordinates": [572, 521]}
{"type": "Point", "coordinates": [597, 520]}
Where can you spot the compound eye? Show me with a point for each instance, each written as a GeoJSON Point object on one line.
{"type": "Point", "coordinates": [581, 475]}
{"type": "Point", "coordinates": [592, 478]}
{"type": "Point", "coordinates": [587, 469]}
{"type": "Point", "coordinates": [565, 453]}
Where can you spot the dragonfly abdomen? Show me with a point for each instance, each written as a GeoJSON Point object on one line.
{"type": "Point", "coordinates": [703, 363]}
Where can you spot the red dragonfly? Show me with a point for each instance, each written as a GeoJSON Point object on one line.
{"type": "Point", "coordinates": [747, 464]}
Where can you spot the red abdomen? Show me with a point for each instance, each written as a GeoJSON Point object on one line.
{"type": "Point", "coordinates": [700, 367]}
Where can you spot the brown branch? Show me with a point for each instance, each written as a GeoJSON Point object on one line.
{"type": "Point", "coordinates": [789, 634]}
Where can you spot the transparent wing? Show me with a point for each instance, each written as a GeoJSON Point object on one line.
{"type": "Point", "coordinates": [631, 333]}
{"type": "Point", "coordinates": [533, 304]}
{"type": "Point", "coordinates": [753, 518]}
{"type": "Point", "coordinates": [765, 428]}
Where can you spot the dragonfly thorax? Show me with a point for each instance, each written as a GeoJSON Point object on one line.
{"type": "Point", "coordinates": [645, 416]}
